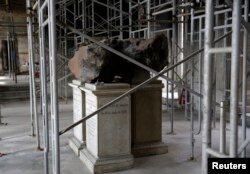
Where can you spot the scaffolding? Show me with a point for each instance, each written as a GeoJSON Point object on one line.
{"type": "Point", "coordinates": [211, 51]}
{"type": "Point", "coordinates": [47, 30]}
{"type": "Point", "coordinates": [32, 80]}
{"type": "Point", "coordinates": [196, 25]}
{"type": "Point", "coordinates": [193, 55]}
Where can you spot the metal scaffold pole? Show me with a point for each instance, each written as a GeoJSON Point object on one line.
{"type": "Point", "coordinates": [244, 76]}
{"type": "Point", "coordinates": [65, 70]}
{"type": "Point", "coordinates": [200, 77]}
{"type": "Point", "coordinates": [148, 18]}
{"type": "Point", "coordinates": [44, 94]}
{"type": "Point", "coordinates": [32, 76]}
{"type": "Point", "coordinates": [121, 20]}
{"type": "Point", "coordinates": [225, 62]}
{"type": "Point", "coordinates": [191, 100]}
{"type": "Point", "coordinates": [93, 18]}
{"type": "Point", "coordinates": [83, 18]}
{"type": "Point", "coordinates": [174, 56]}
{"type": "Point", "coordinates": [130, 19]}
{"type": "Point", "coordinates": [222, 128]}
{"type": "Point", "coordinates": [234, 79]}
{"type": "Point", "coordinates": [9, 57]}
{"type": "Point", "coordinates": [207, 92]}
{"type": "Point", "coordinates": [53, 88]}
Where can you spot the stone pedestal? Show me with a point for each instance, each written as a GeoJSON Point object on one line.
{"type": "Point", "coordinates": [108, 139]}
{"type": "Point", "coordinates": [146, 116]}
{"type": "Point", "coordinates": [77, 142]}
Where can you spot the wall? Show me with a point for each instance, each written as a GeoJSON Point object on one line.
{"type": "Point", "coordinates": [20, 31]}
{"type": "Point", "coordinates": [22, 52]}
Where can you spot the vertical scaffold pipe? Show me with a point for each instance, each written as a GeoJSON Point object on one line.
{"type": "Point", "coordinates": [244, 77]}
{"type": "Point", "coordinates": [225, 63]}
{"type": "Point", "coordinates": [121, 20]}
{"type": "Point", "coordinates": [93, 18]}
{"type": "Point", "coordinates": [44, 103]}
{"type": "Point", "coordinates": [32, 73]}
{"type": "Point", "coordinates": [9, 58]}
{"type": "Point", "coordinates": [192, 87]}
{"type": "Point", "coordinates": [54, 88]}
{"type": "Point", "coordinates": [174, 56]}
{"type": "Point", "coordinates": [234, 79]}
{"type": "Point", "coordinates": [148, 18]}
{"type": "Point", "coordinates": [207, 99]}
{"type": "Point", "coordinates": [222, 128]}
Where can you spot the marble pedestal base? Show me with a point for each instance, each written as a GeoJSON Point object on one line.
{"type": "Point", "coordinates": [147, 149]}
{"type": "Point", "coordinates": [77, 142]}
{"type": "Point", "coordinates": [76, 145]}
{"type": "Point", "coordinates": [108, 133]}
{"type": "Point", "coordinates": [105, 164]}
{"type": "Point", "coordinates": [146, 118]}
